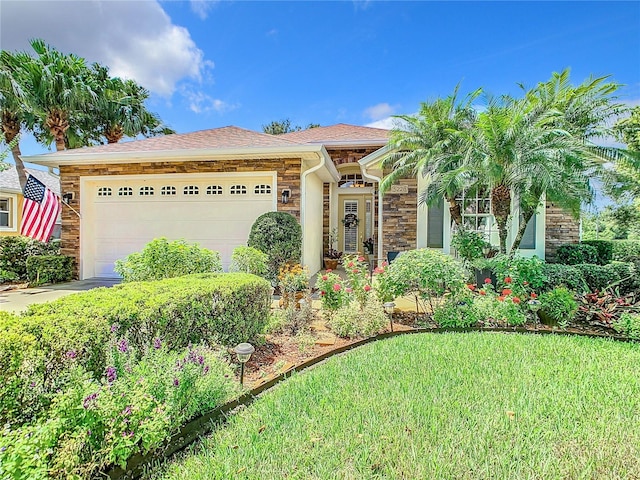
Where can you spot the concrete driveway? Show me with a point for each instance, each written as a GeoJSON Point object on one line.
{"type": "Point", "coordinates": [18, 300]}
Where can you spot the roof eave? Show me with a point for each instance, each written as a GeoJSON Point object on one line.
{"type": "Point", "coordinates": [373, 159]}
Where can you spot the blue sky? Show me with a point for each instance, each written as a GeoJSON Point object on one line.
{"type": "Point", "coordinates": [211, 64]}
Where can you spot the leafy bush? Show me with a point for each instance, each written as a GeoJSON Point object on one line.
{"type": "Point", "coordinates": [557, 275]}
{"type": "Point", "coordinates": [34, 347]}
{"type": "Point", "coordinates": [468, 244]}
{"type": "Point", "coordinates": [7, 276]}
{"type": "Point", "coordinates": [134, 407]}
{"type": "Point", "coordinates": [333, 294]}
{"type": "Point", "coordinates": [357, 271]}
{"type": "Point", "coordinates": [293, 278]}
{"type": "Point", "coordinates": [249, 260]}
{"type": "Point", "coordinates": [604, 248]}
{"type": "Point", "coordinates": [523, 271]}
{"type": "Point", "coordinates": [351, 321]}
{"type": "Point", "coordinates": [575, 253]}
{"type": "Point", "coordinates": [14, 252]}
{"type": "Point", "coordinates": [161, 258]}
{"type": "Point", "coordinates": [279, 235]}
{"type": "Point", "coordinates": [49, 269]}
{"type": "Point", "coordinates": [425, 273]}
{"type": "Point", "coordinates": [618, 275]}
{"type": "Point", "coordinates": [559, 305]}
{"type": "Point", "coordinates": [628, 276]}
{"type": "Point", "coordinates": [458, 312]}
{"type": "Point", "coordinates": [628, 324]}
{"type": "Point", "coordinates": [626, 250]}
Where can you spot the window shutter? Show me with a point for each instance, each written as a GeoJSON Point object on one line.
{"type": "Point", "coordinates": [435, 225]}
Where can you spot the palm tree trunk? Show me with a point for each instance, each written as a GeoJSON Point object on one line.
{"type": "Point", "coordinates": [114, 134]}
{"type": "Point", "coordinates": [58, 124]}
{"type": "Point", "coordinates": [501, 206]}
{"type": "Point", "coordinates": [455, 211]}
{"type": "Point", "coordinates": [11, 129]}
{"type": "Point", "coordinates": [526, 216]}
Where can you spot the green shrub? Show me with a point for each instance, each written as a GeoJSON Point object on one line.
{"type": "Point", "coordinates": [575, 253]}
{"type": "Point", "coordinates": [604, 248]}
{"type": "Point", "coordinates": [622, 276]}
{"type": "Point", "coordinates": [14, 252]}
{"type": "Point", "coordinates": [333, 293]}
{"type": "Point", "coordinates": [7, 276]}
{"type": "Point", "coordinates": [49, 269]}
{"type": "Point", "coordinates": [163, 259]}
{"type": "Point", "coordinates": [279, 235]}
{"type": "Point", "coordinates": [521, 270]}
{"type": "Point", "coordinates": [468, 244]}
{"type": "Point", "coordinates": [628, 324]}
{"type": "Point", "coordinates": [628, 276]}
{"type": "Point", "coordinates": [249, 260]}
{"type": "Point", "coordinates": [134, 408]}
{"type": "Point", "coordinates": [558, 275]}
{"type": "Point", "coordinates": [625, 250]}
{"type": "Point", "coordinates": [457, 313]}
{"type": "Point", "coordinates": [34, 350]}
{"type": "Point", "coordinates": [559, 305]}
{"type": "Point", "coordinates": [351, 321]}
{"type": "Point", "coordinates": [502, 309]}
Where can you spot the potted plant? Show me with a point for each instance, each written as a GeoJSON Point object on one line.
{"type": "Point", "coordinates": [333, 256]}
{"type": "Point", "coordinates": [368, 248]}
{"type": "Point", "coordinates": [293, 280]}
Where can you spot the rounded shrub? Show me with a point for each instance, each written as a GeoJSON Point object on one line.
{"type": "Point", "coordinates": [559, 305]}
{"type": "Point", "coordinates": [351, 321]}
{"type": "Point", "coordinates": [604, 248]}
{"type": "Point", "coordinates": [558, 275]}
{"type": "Point", "coordinates": [279, 235]}
{"type": "Point", "coordinates": [458, 313]}
{"type": "Point", "coordinates": [574, 253]}
{"type": "Point", "coordinates": [249, 260]}
{"type": "Point", "coordinates": [14, 252]}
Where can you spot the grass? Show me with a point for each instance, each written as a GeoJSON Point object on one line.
{"type": "Point", "coordinates": [463, 406]}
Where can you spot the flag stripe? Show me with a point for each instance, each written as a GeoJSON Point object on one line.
{"type": "Point", "coordinates": [39, 211]}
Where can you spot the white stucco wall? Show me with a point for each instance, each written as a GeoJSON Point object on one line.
{"type": "Point", "coordinates": [312, 227]}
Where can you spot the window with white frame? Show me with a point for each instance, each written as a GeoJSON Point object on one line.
{"type": "Point", "coordinates": [238, 190]}
{"type": "Point", "coordinates": [476, 212]}
{"type": "Point", "coordinates": [214, 190]}
{"type": "Point", "coordinates": [168, 190]}
{"type": "Point", "coordinates": [104, 192]}
{"type": "Point", "coordinates": [262, 189]}
{"type": "Point", "coordinates": [191, 190]}
{"type": "Point", "coordinates": [125, 191]}
{"type": "Point", "coordinates": [5, 213]}
{"type": "Point", "coordinates": [353, 180]}
{"type": "Point", "coordinates": [146, 191]}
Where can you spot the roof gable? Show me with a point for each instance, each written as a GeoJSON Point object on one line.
{"type": "Point", "coordinates": [341, 133]}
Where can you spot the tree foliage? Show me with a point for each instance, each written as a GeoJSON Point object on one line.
{"type": "Point", "coordinates": [279, 127]}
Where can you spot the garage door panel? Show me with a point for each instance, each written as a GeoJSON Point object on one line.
{"type": "Point", "coordinates": [123, 225]}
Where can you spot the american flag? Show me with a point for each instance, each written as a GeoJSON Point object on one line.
{"type": "Point", "coordinates": [39, 211]}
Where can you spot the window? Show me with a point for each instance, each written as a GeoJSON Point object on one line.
{"type": "Point", "coordinates": [104, 192]}
{"type": "Point", "coordinates": [476, 212]}
{"type": "Point", "coordinates": [5, 212]}
{"type": "Point", "coordinates": [238, 190]}
{"type": "Point", "coordinates": [146, 191]}
{"type": "Point", "coordinates": [125, 191]}
{"type": "Point", "coordinates": [353, 180]}
{"type": "Point", "coordinates": [529, 238]}
{"type": "Point", "coordinates": [191, 190]}
{"type": "Point", "coordinates": [168, 190]}
{"type": "Point", "coordinates": [214, 190]}
{"type": "Point", "coordinates": [262, 189]}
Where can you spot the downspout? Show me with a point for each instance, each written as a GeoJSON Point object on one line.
{"type": "Point", "coordinates": [377, 180]}
{"type": "Point", "coordinates": [303, 193]}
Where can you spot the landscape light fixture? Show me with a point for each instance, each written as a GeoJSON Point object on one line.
{"type": "Point", "coordinates": [389, 308]}
{"type": "Point", "coordinates": [534, 306]}
{"type": "Point", "coordinates": [243, 351]}
{"type": "Point", "coordinates": [286, 193]}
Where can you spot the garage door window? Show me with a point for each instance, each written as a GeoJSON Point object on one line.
{"type": "Point", "coordinates": [191, 190]}
{"type": "Point", "coordinates": [214, 190]}
{"type": "Point", "coordinates": [104, 192]}
{"type": "Point", "coordinates": [262, 189]}
{"type": "Point", "coordinates": [168, 190]}
{"type": "Point", "coordinates": [146, 191]}
{"type": "Point", "coordinates": [238, 190]}
{"type": "Point", "coordinates": [125, 191]}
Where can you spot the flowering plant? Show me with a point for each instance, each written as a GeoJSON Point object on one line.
{"type": "Point", "coordinates": [357, 270]}
{"type": "Point", "coordinates": [293, 278]}
{"type": "Point", "coordinates": [332, 251]}
{"type": "Point", "coordinates": [333, 293]}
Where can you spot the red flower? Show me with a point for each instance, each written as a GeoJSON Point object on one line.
{"type": "Point", "coordinates": [323, 293]}
{"type": "Point", "coordinates": [487, 280]}
{"type": "Point", "coordinates": [507, 279]}
{"type": "Point", "coordinates": [534, 295]}
{"type": "Point", "coordinates": [482, 292]}
{"type": "Point", "coordinates": [337, 287]}
{"type": "Point", "coordinates": [350, 265]}
{"type": "Point", "coordinates": [378, 270]}
{"type": "Point", "coordinates": [355, 270]}
{"type": "Point", "coordinates": [506, 291]}
{"type": "Point", "coordinates": [516, 300]}
{"type": "Point", "coordinates": [325, 278]}
{"type": "Point", "coordinates": [501, 298]}
{"type": "Point", "coordinates": [367, 288]}
{"type": "Point", "coordinates": [361, 259]}
{"type": "Point", "coordinates": [471, 287]}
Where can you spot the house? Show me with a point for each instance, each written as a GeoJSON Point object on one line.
{"type": "Point", "coordinates": [11, 199]}
{"type": "Point", "coordinates": [210, 186]}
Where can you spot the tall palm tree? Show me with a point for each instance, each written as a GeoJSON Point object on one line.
{"type": "Point", "coordinates": [431, 144]}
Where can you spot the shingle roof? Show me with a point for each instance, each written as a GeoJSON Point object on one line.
{"type": "Point", "coordinates": [224, 137]}
{"type": "Point", "coordinates": [9, 179]}
{"type": "Point", "coordinates": [341, 132]}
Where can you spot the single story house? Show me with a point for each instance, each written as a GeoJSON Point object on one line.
{"type": "Point", "coordinates": [210, 186]}
{"type": "Point", "coordinates": [11, 199]}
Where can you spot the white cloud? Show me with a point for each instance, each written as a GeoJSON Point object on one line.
{"type": "Point", "coordinates": [379, 111]}
{"type": "Point", "coordinates": [272, 33]}
{"type": "Point", "coordinates": [200, 102]}
{"type": "Point", "coordinates": [201, 7]}
{"type": "Point", "coordinates": [135, 39]}
{"type": "Point", "coordinates": [386, 123]}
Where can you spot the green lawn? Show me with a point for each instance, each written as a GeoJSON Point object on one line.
{"type": "Point", "coordinates": [479, 405]}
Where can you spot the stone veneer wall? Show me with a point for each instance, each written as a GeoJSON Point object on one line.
{"type": "Point", "coordinates": [400, 217]}
{"type": "Point", "coordinates": [561, 228]}
{"type": "Point", "coordinates": [288, 177]}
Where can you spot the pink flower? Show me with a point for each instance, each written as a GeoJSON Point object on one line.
{"type": "Point", "coordinates": [348, 290]}
{"type": "Point", "coordinates": [482, 292]}
{"type": "Point", "coordinates": [507, 279]}
{"type": "Point", "coordinates": [361, 259]}
{"type": "Point", "coordinates": [325, 278]}
{"type": "Point", "coordinates": [501, 298]}
{"type": "Point", "coordinates": [337, 287]}
{"type": "Point", "coordinates": [534, 295]}
{"type": "Point", "coordinates": [525, 283]}
{"type": "Point", "coordinates": [355, 270]}
{"type": "Point", "coordinates": [329, 270]}
{"type": "Point", "coordinates": [378, 270]}
{"type": "Point", "coordinates": [516, 300]}
{"type": "Point", "coordinates": [385, 263]}
{"type": "Point", "coordinates": [350, 265]}
{"type": "Point", "coordinates": [506, 291]}
{"type": "Point", "coordinates": [367, 288]}
{"type": "Point", "coordinates": [487, 280]}
{"type": "Point", "coordinates": [471, 287]}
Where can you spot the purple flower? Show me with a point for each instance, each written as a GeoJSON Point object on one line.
{"type": "Point", "coordinates": [32, 384]}
{"type": "Point", "coordinates": [123, 345]}
{"type": "Point", "coordinates": [89, 400]}
{"type": "Point", "coordinates": [71, 354]}
{"type": "Point", "coordinates": [127, 411]}
{"type": "Point", "coordinates": [157, 343]}
{"type": "Point", "coordinates": [176, 382]}
{"type": "Point", "coordinates": [88, 433]}
{"type": "Point", "coordinates": [111, 374]}
{"type": "Point", "coordinates": [127, 434]}
{"type": "Point", "coordinates": [114, 328]}
{"type": "Point", "coordinates": [201, 360]}
{"type": "Point", "coordinates": [205, 370]}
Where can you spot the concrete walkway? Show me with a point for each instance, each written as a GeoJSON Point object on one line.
{"type": "Point", "coordinates": [18, 300]}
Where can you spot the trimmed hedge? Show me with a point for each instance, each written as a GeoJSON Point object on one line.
{"type": "Point", "coordinates": [212, 308]}
{"type": "Point", "coordinates": [575, 253]}
{"type": "Point", "coordinates": [626, 250]}
{"type": "Point", "coordinates": [620, 275]}
{"type": "Point", "coordinates": [558, 275]}
{"type": "Point", "coordinates": [604, 248]}
{"type": "Point", "coordinates": [49, 269]}
{"type": "Point", "coordinates": [14, 252]}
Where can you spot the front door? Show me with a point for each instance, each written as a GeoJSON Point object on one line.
{"type": "Point", "coordinates": [355, 222]}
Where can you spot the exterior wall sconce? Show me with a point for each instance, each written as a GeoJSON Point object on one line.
{"type": "Point", "coordinates": [286, 193]}
{"type": "Point", "coordinates": [243, 351]}
{"type": "Point", "coordinates": [67, 197]}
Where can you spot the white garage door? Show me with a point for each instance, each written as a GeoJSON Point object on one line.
{"type": "Point", "coordinates": [122, 214]}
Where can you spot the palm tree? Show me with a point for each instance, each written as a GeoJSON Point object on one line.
{"type": "Point", "coordinates": [431, 143]}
